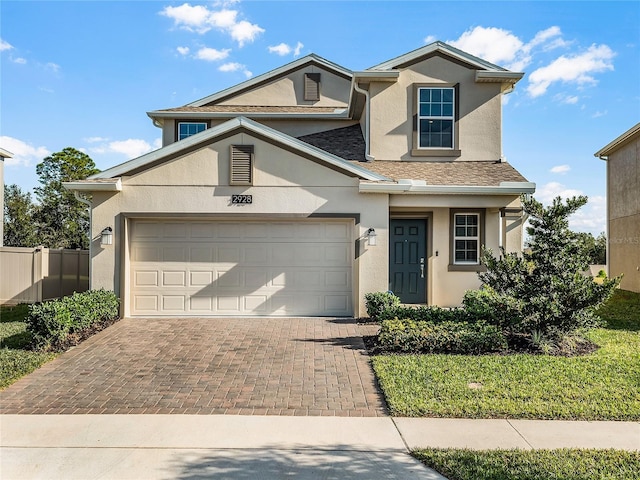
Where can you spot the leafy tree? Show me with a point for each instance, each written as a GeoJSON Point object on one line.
{"type": "Point", "coordinates": [61, 220]}
{"type": "Point", "coordinates": [595, 247]}
{"type": "Point", "coordinates": [18, 214]}
{"type": "Point", "coordinates": [542, 292]}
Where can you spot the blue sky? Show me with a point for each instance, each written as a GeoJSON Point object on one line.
{"type": "Point", "coordinates": [84, 73]}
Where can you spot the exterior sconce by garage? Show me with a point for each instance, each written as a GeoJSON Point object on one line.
{"type": "Point", "coordinates": [372, 239]}
{"type": "Point", "coordinates": [106, 237]}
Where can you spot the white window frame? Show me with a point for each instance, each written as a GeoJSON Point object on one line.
{"type": "Point", "coordinates": [190, 123]}
{"type": "Point", "coordinates": [466, 238]}
{"type": "Point", "coordinates": [451, 117]}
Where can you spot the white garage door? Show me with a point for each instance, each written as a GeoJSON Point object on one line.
{"type": "Point", "coordinates": [197, 268]}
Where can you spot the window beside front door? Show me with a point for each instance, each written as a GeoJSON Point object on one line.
{"type": "Point", "coordinates": [467, 238]}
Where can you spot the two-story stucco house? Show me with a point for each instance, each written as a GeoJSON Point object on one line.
{"type": "Point", "coordinates": [302, 189]}
{"type": "Point", "coordinates": [623, 207]}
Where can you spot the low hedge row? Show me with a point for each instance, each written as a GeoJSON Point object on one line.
{"type": "Point", "coordinates": [440, 337]}
{"type": "Point", "coordinates": [50, 323]}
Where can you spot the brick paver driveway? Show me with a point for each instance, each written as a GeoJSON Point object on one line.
{"type": "Point", "coordinates": [272, 366]}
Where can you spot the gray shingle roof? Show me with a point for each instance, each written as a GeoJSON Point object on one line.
{"type": "Point", "coordinates": [345, 142]}
{"type": "Point", "coordinates": [489, 173]}
{"type": "Point", "coordinates": [252, 109]}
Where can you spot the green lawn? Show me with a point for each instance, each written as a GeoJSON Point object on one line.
{"type": "Point", "coordinates": [604, 385]}
{"type": "Point", "coordinates": [533, 465]}
{"type": "Point", "coordinates": [15, 359]}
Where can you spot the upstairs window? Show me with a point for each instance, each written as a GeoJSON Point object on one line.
{"type": "Point", "coordinates": [312, 86]}
{"type": "Point", "coordinates": [436, 117]}
{"type": "Point", "coordinates": [186, 129]}
{"type": "Point", "coordinates": [241, 167]}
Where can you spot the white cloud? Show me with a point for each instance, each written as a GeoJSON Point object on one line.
{"type": "Point", "coordinates": [5, 45]}
{"type": "Point", "coordinates": [430, 39]}
{"type": "Point", "coordinates": [283, 49]}
{"type": "Point", "coordinates": [183, 50]}
{"type": "Point", "coordinates": [24, 154]}
{"type": "Point", "coordinates": [54, 67]}
{"type": "Point", "coordinates": [19, 60]}
{"type": "Point", "coordinates": [599, 114]}
{"type": "Point", "coordinates": [132, 148]}
{"type": "Point", "coordinates": [95, 139]}
{"type": "Point", "coordinates": [234, 67]}
{"type": "Point", "coordinates": [190, 18]}
{"type": "Point", "coordinates": [244, 32]}
{"type": "Point", "coordinates": [211, 54]}
{"type": "Point", "coordinates": [551, 190]}
{"type": "Point", "coordinates": [200, 19]}
{"type": "Point", "coordinates": [572, 99]}
{"type": "Point", "coordinates": [576, 69]}
{"type": "Point", "coordinates": [562, 169]}
{"type": "Point", "coordinates": [502, 47]}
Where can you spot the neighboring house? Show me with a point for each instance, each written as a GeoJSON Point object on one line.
{"type": "Point", "coordinates": [623, 207]}
{"type": "Point", "coordinates": [3, 154]}
{"type": "Point", "coordinates": [302, 189]}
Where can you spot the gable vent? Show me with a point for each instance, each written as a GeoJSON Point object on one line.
{"type": "Point", "coordinates": [241, 165]}
{"type": "Point", "coordinates": [312, 86]}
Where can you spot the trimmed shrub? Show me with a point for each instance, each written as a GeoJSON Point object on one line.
{"type": "Point", "coordinates": [379, 302]}
{"type": "Point", "coordinates": [425, 314]}
{"type": "Point", "coordinates": [51, 323]}
{"type": "Point", "coordinates": [444, 337]}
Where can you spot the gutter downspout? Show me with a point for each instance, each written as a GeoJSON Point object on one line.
{"type": "Point", "coordinates": [606, 193]}
{"type": "Point", "coordinates": [367, 105]}
{"type": "Point", "coordinates": [88, 204]}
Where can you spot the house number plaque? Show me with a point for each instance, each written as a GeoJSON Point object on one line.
{"type": "Point", "coordinates": [241, 199]}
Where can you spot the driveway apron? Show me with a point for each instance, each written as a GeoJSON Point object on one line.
{"type": "Point", "coordinates": [248, 366]}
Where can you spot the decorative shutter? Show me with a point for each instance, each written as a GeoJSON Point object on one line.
{"type": "Point", "coordinates": [312, 86]}
{"type": "Point", "coordinates": [241, 165]}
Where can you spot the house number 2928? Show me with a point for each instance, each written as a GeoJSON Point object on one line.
{"type": "Point", "coordinates": [242, 199]}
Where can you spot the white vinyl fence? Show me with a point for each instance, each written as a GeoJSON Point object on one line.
{"type": "Point", "coordinates": [29, 275]}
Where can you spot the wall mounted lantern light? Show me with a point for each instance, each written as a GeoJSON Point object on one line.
{"type": "Point", "coordinates": [372, 239]}
{"type": "Point", "coordinates": [106, 237]}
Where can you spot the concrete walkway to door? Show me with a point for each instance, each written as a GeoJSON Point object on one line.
{"type": "Point", "coordinates": [247, 366]}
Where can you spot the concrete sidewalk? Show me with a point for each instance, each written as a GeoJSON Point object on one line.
{"type": "Point", "coordinates": [268, 447]}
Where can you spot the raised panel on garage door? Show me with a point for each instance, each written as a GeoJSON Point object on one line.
{"type": "Point", "coordinates": [196, 268]}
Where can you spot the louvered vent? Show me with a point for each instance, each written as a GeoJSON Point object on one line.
{"type": "Point", "coordinates": [312, 86]}
{"type": "Point", "coordinates": [241, 165]}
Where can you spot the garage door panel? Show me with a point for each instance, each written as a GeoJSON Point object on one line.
{"type": "Point", "coordinates": [175, 278]}
{"type": "Point", "coordinates": [241, 268]}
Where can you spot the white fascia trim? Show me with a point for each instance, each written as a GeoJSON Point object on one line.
{"type": "Point", "coordinates": [484, 76]}
{"type": "Point", "coordinates": [273, 73]}
{"type": "Point", "coordinates": [89, 186]}
{"type": "Point", "coordinates": [338, 113]}
{"type": "Point", "coordinates": [5, 154]}
{"type": "Point", "coordinates": [618, 142]}
{"type": "Point", "coordinates": [442, 47]}
{"type": "Point", "coordinates": [211, 133]}
{"type": "Point", "coordinates": [376, 76]}
{"type": "Point", "coordinates": [419, 187]}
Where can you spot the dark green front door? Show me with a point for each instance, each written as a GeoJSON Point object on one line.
{"type": "Point", "coordinates": [407, 260]}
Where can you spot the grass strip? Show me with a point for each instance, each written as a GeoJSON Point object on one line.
{"type": "Point", "coordinates": [561, 464]}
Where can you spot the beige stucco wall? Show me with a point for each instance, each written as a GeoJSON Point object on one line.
{"type": "Point", "coordinates": [623, 185]}
{"type": "Point", "coordinates": [446, 288]}
{"type": "Point", "coordinates": [288, 90]}
{"type": "Point", "coordinates": [2, 200]}
{"type": "Point", "coordinates": [285, 185]}
{"type": "Point", "coordinates": [393, 107]}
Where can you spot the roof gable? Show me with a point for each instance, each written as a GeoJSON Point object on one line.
{"type": "Point", "coordinates": [230, 127]}
{"type": "Point", "coordinates": [437, 48]}
{"type": "Point", "coordinates": [311, 59]}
